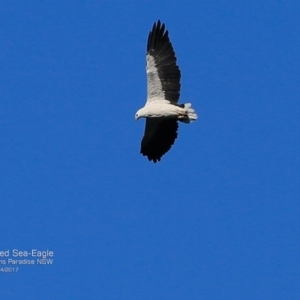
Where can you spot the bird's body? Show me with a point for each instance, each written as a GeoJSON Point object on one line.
{"type": "Point", "coordinates": [162, 110]}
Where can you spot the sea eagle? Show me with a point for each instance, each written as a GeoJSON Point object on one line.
{"type": "Point", "coordinates": [162, 111]}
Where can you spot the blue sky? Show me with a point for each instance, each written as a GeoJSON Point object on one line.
{"type": "Point", "coordinates": [217, 218]}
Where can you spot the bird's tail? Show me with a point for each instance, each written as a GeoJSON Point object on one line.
{"type": "Point", "coordinates": [190, 113]}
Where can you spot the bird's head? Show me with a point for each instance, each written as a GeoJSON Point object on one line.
{"type": "Point", "coordinates": [139, 114]}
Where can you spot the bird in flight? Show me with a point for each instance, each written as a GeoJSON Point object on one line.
{"type": "Point", "coordinates": [162, 111]}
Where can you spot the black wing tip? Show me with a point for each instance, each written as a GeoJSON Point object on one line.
{"type": "Point", "coordinates": [155, 159]}
{"type": "Point", "coordinates": [157, 33]}
{"type": "Point", "coordinates": [158, 25]}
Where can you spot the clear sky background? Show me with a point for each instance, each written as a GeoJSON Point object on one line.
{"type": "Point", "coordinates": [217, 218]}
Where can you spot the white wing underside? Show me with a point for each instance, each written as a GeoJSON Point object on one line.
{"type": "Point", "coordinates": [154, 85]}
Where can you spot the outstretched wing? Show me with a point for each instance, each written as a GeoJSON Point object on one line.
{"type": "Point", "coordinates": [159, 136]}
{"type": "Point", "coordinates": [163, 74]}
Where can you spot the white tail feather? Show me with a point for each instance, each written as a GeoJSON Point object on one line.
{"type": "Point", "coordinates": [191, 114]}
